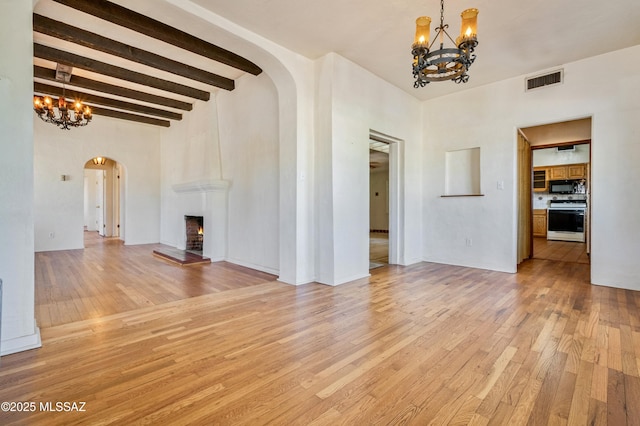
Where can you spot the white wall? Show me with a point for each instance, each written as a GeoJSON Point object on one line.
{"type": "Point", "coordinates": [293, 77]}
{"type": "Point", "coordinates": [553, 157]}
{"type": "Point", "coordinates": [249, 142]}
{"type": "Point", "coordinates": [489, 119]}
{"type": "Point", "coordinates": [233, 138]}
{"type": "Point", "coordinates": [351, 102]}
{"type": "Point", "coordinates": [292, 74]}
{"type": "Point", "coordinates": [19, 330]}
{"type": "Point", "coordinates": [191, 157]}
{"type": "Point", "coordinates": [59, 205]}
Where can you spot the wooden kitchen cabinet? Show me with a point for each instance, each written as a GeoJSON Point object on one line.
{"type": "Point", "coordinates": [557, 172]}
{"type": "Point", "coordinates": [576, 171]}
{"type": "Point", "coordinates": [570, 171]}
{"type": "Point", "coordinates": [539, 222]}
{"type": "Point", "coordinates": [540, 179]}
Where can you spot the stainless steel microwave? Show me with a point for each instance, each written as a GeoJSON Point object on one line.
{"type": "Point", "coordinates": [567, 186]}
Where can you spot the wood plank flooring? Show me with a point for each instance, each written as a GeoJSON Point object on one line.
{"type": "Point", "coordinates": [378, 248]}
{"type": "Point", "coordinates": [424, 344]}
{"type": "Point", "coordinates": [561, 251]}
{"type": "Point", "coordinates": [108, 277]}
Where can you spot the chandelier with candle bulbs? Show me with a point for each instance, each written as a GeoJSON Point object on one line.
{"type": "Point", "coordinates": [73, 114]}
{"type": "Point", "coordinates": [67, 116]}
{"type": "Point", "coordinates": [451, 63]}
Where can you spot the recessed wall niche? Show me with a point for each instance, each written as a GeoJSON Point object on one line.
{"type": "Point", "coordinates": [462, 172]}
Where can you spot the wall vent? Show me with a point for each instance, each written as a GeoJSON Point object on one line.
{"type": "Point", "coordinates": [539, 81]}
{"type": "Point", "coordinates": [566, 148]}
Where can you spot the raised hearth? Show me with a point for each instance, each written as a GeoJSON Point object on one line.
{"type": "Point", "coordinates": [180, 257]}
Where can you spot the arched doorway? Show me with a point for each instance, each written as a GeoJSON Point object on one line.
{"type": "Point", "coordinates": [103, 200]}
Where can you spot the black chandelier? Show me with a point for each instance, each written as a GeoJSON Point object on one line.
{"type": "Point", "coordinates": [44, 106]}
{"type": "Point", "coordinates": [444, 64]}
{"type": "Point", "coordinates": [45, 110]}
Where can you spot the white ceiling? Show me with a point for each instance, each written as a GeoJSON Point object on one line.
{"type": "Point", "coordinates": [515, 36]}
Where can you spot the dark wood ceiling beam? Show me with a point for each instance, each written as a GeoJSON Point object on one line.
{"type": "Point", "coordinates": [100, 100]}
{"type": "Point", "coordinates": [130, 117]}
{"type": "Point", "coordinates": [98, 86]}
{"type": "Point", "coordinates": [66, 32]}
{"type": "Point", "coordinates": [60, 56]}
{"type": "Point", "coordinates": [148, 26]}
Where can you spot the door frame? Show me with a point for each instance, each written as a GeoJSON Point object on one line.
{"type": "Point", "coordinates": [588, 220]}
{"type": "Point", "coordinates": [396, 195]}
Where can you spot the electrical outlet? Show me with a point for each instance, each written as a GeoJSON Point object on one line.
{"type": "Point", "coordinates": [500, 185]}
{"type": "Point", "coordinates": [469, 242]}
{"type": "Point", "coordinates": [52, 235]}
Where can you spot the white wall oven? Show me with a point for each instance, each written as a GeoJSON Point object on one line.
{"type": "Point", "coordinates": [566, 220]}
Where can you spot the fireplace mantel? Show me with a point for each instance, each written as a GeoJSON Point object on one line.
{"type": "Point", "coordinates": [201, 185]}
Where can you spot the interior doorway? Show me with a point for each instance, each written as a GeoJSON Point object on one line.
{"type": "Point", "coordinates": [559, 192]}
{"type": "Point", "coordinates": [386, 208]}
{"type": "Point", "coordinates": [103, 205]}
{"type": "Point", "coordinates": [378, 204]}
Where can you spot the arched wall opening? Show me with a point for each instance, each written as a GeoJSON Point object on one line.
{"type": "Point", "coordinates": [292, 76]}
{"type": "Point", "coordinates": [104, 201]}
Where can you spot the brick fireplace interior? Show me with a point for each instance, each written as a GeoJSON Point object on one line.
{"type": "Point", "coordinates": [194, 226]}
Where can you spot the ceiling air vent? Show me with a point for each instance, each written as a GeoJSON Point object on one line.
{"type": "Point", "coordinates": [554, 77]}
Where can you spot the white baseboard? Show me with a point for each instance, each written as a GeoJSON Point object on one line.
{"type": "Point", "coordinates": [340, 281]}
{"type": "Point", "coordinates": [250, 265]}
{"type": "Point", "coordinates": [22, 343]}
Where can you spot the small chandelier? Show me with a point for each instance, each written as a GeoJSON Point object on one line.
{"type": "Point", "coordinates": [44, 108]}
{"type": "Point", "coordinates": [99, 161]}
{"type": "Point", "coordinates": [444, 64]}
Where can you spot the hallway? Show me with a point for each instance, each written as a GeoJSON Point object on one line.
{"type": "Point", "coordinates": [378, 249]}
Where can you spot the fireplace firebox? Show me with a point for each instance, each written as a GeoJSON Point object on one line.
{"type": "Point", "coordinates": [194, 226]}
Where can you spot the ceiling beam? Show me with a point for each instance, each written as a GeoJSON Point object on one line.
{"type": "Point", "coordinates": [130, 117]}
{"type": "Point", "coordinates": [148, 26]}
{"type": "Point", "coordinates": [76, 35]}
{"type": "Point", "coordinates": [56, 55]}
{"type": "Point", "coordinates": [100, 100]}
{"type": "Point", "coordinates": [98, 86]}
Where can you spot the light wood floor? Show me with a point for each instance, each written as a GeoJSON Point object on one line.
{"type": "Point", "coordinates": [378, 248]}
{"type": "Point", "coordinates": [424, 344]}
{"type": "Point", "coordinates": [107, 278]}
{"type": "Point", "coordinates": [562, 251]}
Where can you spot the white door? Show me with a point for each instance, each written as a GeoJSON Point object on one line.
{"type": "Point", "coordinates": [100, 201]}
{"type": "Point", "coordinates": [116, 202]}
